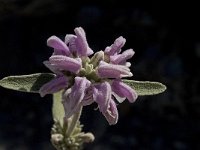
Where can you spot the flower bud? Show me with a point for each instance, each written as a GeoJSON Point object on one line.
{"type": "Point", "coordinates": [97, 58]}
{"type": "Point", "coordinates": [87, 137]}
{"type": "Point", "coordinates": [56, 138]}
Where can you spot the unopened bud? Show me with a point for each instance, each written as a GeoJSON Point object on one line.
{"type": "Point", "coordinates": [87, 137]}
{"type": "Point", "coordinates": [97, 58]}
{"type": "Point", "coordinates": [56, 138]}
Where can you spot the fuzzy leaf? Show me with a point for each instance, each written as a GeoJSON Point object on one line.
{"type": "Point", "coordinates": [57, 108]}
{"type": "Point", "coordinates": [26, 83]}
{"type": "Point", "coordinates": [146, 87]}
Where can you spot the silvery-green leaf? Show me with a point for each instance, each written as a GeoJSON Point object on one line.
{"type": "Point", "coordinates": [146, 87]}
{"type": "Point", "coordinates": [57, 108]}
{"type": "Point", "coordinates": [26, 83]}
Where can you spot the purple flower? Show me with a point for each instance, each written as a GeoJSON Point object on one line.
{"type": "Point", "coordinates": [55, 85]}
{"type": "Point", "coordinates": [122, 58]}
{"type": "Point", "coordinates": [85, 80]}
{"type": "Point", "coordinates": [124, 91]}
{"type": "Point", "coordinates": [106, 70]}
{"type": "Point", "coordinates": [102, 95]}
{"type": "Point", "coordinates": [60, 48]}
{"type": "Point", "coordinates": [112, 113]}
{"type": "Point", "coordinates": [116, 47]}
{"type": "Point", "coordinates": [66, 63]}
{"type": "Point", "coordinates": [81, 43]}
{"type": "Point", "coordinates": [73, 96]}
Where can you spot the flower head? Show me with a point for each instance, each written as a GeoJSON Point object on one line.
{"type": "Point", "coordinates": [84, 79]}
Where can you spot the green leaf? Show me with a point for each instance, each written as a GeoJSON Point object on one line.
{"type": "Point", "coordinates": [26, 83]}
{"type": "Point", "coordinates": [146, 87]}
{"type": "Point", "coordinates": [57, 108]}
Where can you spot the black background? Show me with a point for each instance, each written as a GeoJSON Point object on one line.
{"type": "Point", "coordinates": [165, 37]}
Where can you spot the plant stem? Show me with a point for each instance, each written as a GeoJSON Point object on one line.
{"type": "Point", "coordinates": [75, 119]}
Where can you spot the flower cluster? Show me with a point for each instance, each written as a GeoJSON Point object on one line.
{"type": "Point", "coordinates": [85, 79]}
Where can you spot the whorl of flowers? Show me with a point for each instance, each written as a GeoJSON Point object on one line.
{"type": "Point", "coordinates": [84, 79]}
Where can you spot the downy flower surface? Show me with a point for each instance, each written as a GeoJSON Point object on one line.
{"type": "Point", "coordinates": [84, 79]}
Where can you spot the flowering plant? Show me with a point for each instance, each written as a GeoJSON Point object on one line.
{"type": "Point", "coordinates": [80, 78]}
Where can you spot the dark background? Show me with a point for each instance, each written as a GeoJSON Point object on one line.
{"type": "Point", "coordinates": [165, 37]}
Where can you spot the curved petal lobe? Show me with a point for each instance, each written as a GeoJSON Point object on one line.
{"type": "Point", "coordinates": [122, 58]}
{"type": "Point", "coordinates": [73, 97]}
{"type": "Point", "coordinates": [123, 90]}
{"type": "Point", "coordinates": [106, 70]}
{"type": "Point", "coordinates": [65, 63]}
{"type": "Point", "coordinates": [115, 48]}
{"type": "Point", "coordinates": [81, 43]}
{"type": "Point", "coordinates": [111, 114]}
{"type": "Point", "coordinates": [102, 95]}
{"type": "Point", "coordinates": [60, 48]}
{"type": "Point", "coordinates": [54, 85]}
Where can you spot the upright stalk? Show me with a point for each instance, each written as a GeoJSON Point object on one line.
{"type": "Point", "coordinates": [74, 121]}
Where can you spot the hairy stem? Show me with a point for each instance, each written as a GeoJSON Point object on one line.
{"type": "Point", "coordinates": [75, 119]}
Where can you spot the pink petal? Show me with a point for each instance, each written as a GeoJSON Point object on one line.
{"type": "Point", "coordinates": [118, 98]}
{"type": "Point", "coordinates": [88, 98]}
{"type": "Point", "coordinates": [54, 86]}
{"type": "Point", "coordinates": [106, 70]}
{"type": "Point", "coordinates": [102, 95]}
{"type": "Point", "coordinates": [73, 97]}
{"type": "Point", "coordinates": [123, 90]}
{"type": "Point", "coordinates": [122, 58]}
{"type": "Point", "coordinates": [81, 43]}
{"type": "Point", "coordinates": [66, 63]}
{"type": "Point", "coordinates": [52, 68]}
{"type": "Point", "coordinates": [111, 114]}
{"type": "Point", "coordinates": [115, 48]}
{"type": "Point", "coordinates": [70, 40]}
{"type": "Point", "coordinates": [60, 48]}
